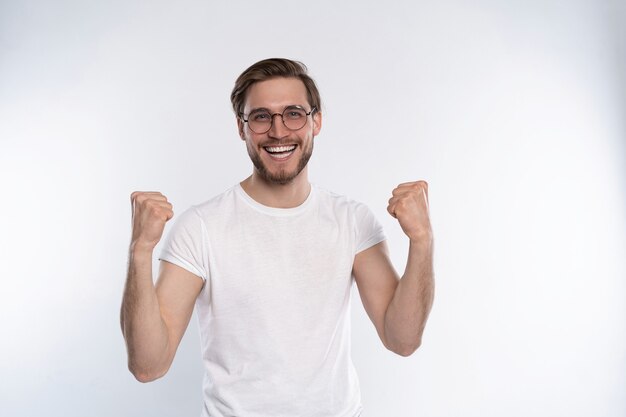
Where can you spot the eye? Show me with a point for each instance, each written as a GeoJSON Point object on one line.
{"type": "Point", "coordinates": [295, 114]}
{"type": "Point", "coordinates": [260, 116]}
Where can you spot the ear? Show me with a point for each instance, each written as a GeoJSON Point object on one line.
{"type": "Point", "coordinates": [317, 123]}
{"type": "Point", "coordinates": [240, 128]}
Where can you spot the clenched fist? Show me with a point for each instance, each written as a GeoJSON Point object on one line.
{"type": "Point", "coordinates": [151, 211]}
{"type": "Point", "coordinates": [409, 204]}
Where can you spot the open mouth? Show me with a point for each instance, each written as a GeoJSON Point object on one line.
{"type": "Point", "coordinates": [280, 152]}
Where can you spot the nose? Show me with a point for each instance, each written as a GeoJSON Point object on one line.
{"type": "Point", "coordinates": [278, 129]}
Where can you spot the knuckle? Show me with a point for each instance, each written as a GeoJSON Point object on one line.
{"type": "Point", "coordinates": [135, 196]}
{"type": "Point", "coordinates": [402, 204]}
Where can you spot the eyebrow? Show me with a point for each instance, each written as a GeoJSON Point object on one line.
{"type": "Point", "coordinates": [258, 109]}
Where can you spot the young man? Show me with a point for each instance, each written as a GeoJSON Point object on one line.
{"type": "Point", "coordinates": [269, 265]}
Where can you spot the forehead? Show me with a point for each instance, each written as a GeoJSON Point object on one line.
{"type": "Point", "coordinates": [276, 93]}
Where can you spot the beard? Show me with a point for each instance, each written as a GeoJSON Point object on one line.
{"type": "Point", "coordinates": [283, 176]}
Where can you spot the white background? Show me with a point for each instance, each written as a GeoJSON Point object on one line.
{"type": "Point", "coordinates": [513, 111]}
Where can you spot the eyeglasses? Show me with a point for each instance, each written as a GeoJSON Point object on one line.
{"type": "Point", "coordinates": [261, 120]}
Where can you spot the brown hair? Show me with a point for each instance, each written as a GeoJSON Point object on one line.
{"type": "Point", "coordinates": [273, 68]}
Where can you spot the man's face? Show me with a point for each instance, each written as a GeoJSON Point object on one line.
{"type": "Point", "coordinates": [280, 154]}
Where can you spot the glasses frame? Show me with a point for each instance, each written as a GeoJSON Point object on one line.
{"type": "Point", "coordinates": [313, 110]}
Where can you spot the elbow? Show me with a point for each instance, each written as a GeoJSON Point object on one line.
{"type": "Point", "coordinates": [145, 375]}
{"type": "Point", "coordinates": [144, 378]}
{"type": "Point", "coordinates": [147, 368]}
{"type": "Point", "coordinates": [406, 350]}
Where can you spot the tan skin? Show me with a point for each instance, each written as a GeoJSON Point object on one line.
{"type": "Point", "coordinates": [155, 317]}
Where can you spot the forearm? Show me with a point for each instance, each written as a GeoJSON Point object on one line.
{"type": "Point", "coordinates": [410, 306]}
{"type": "Point", "coordinates": [142, 325]}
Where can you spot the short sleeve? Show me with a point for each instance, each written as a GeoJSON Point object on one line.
{"type": "Point", "coordinates": [186, 244]}
{"type": "Point", "coordinates": [369, 232]}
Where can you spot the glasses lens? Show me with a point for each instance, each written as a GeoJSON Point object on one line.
{"type": "Point", "coordinates": [294, 118]}
{"type": "Point", "coordinates": [260, 121]}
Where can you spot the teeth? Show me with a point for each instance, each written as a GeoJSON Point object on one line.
{"type": "Point", "coordinates": [279, 149]}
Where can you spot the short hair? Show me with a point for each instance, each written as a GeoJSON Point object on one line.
{"type": "Point", "coordinates": [273, 68]}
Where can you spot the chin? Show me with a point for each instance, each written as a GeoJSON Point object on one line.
{"type": "Point", "coordinates": [279, 178]}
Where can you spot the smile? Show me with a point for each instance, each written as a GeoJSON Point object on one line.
{"type": "Point", "coordinates": [280, 152]}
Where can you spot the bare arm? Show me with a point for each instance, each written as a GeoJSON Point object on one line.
{"type": "Point", "coordinates": [409, 309]}
{"type": "Point", "coordinates": [399, 308]}
{"type": "Point", "coordinates": [154, 318]}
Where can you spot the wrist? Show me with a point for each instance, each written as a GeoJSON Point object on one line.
{"type": "Point", "coordinates": [139, 249]}
{"type": "Point", "coordinates": [423, 241]}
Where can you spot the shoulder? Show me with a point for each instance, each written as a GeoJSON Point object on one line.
{"type": "Point", "coordinates": [354, 215]}
{"type": "Point", "coordinates": [201, 215]}
{"type": "Point", "coordinates": [340, 202]}
{"type": "Point", "coordinates": [335, 199]}
{"type": "Point", "coordinates": [215, 204]}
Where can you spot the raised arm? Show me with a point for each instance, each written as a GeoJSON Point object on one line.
{"type": "Point", "coordinates": [154, 318]}
{"type": "Point", "coordinates": [399, 308]}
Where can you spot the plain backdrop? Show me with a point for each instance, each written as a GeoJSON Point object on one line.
{"type": "Point", "coordinates": [513, 111]}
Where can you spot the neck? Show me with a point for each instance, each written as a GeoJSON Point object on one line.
{"type": "Point", "coordinates": [275, 195]}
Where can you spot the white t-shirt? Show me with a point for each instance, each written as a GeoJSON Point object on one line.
{"type": "Point", "coordinates": [274, 312]}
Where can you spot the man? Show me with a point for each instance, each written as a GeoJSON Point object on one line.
{"type": "Point", "coordinates": [269, 265]}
